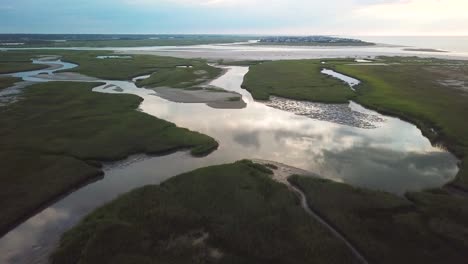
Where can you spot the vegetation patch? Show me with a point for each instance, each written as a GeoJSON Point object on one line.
{"type": "Point", "coordinates": [428, 228]}
{"type": "Point", "coordinates": [299, 80]}
{"type": "Point", "coordinates": [11, 62]}
{"type": "Point", "coordinates": [231, 213]}
{"type": "Point", "coordinates": [6, 82]}
{"type": "Point", "coordinates": [178, 77]}
{"type": "Point", "coordinates": [51, 138]}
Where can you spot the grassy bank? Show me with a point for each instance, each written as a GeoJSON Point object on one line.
{"type": "Point", "coordinates": [50, 140]}
{"type": "Point", "coordinates": [413, 89]}
{"type": "Point", "coordinates": [11, 62]}
{"type": "Point", "coordinates": [300, 80]}
{"type": "Point", "coordinates": [230, 213]}
{"type": "Point", "coordinates": [430, 228]}
{"type": "Point", "coordinates": [6, 82]}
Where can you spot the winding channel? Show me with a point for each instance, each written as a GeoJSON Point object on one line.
{"type": "Point", "coordinates": [345, 143]}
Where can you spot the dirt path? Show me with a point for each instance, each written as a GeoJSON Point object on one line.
{"type": "Point", "coordinates": [281, 174]}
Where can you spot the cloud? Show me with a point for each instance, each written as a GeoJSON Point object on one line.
{"type": "Point", "coordinates": [416, 10]}
{"type": "Point", "coordinates": [347, 17]}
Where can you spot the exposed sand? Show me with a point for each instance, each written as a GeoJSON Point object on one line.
{"type": "Point", "coordinates": [10, 94]}
{"type": "Point", "coordinates": [284, 171]}
{"type": "Point", "coordinates": [48, 57]}
{"type": "Point", "coordinates": [215, 99]}
{"type": "Point", "coordinates": [369, 64]}
{"type": "Point", "coordinates": [52, 66]}
{"type": "Point", "coordinates": [65, 76]}
{"type": "Point", "coordinates": [425, 50]}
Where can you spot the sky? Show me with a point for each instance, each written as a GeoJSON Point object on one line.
{"type": "Point", "coordinates": [294, 17]}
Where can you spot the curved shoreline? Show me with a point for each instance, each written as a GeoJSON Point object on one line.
{"type": "Point", "coordinates": [429, 130]}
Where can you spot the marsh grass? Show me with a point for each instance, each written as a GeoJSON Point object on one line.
{"type": "Point", "coordinates": [247, 217]}
{"type": "Point", "coordinates": [428, 228]}
{"type": "Point", "coordinates": [6, 82]}
{"type": "Point", "coordinates": [299, 80]}
{"type": "Point", "coordinates": [51, 138]}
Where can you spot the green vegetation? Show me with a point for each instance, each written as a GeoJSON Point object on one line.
{"type": "Point", "coordinates": [11, 62]}
{"type": "Point", "coordinates": [6, 82]}
{"type": "Point", "coordinates": [300, 80]}
{"type": "Point", "coordinates": [430, 228]}
{"type": "Point", "coordinates": [413, 89]}
{"type": "Point", "coordinates": [231, 213]}
{"type": "Point", "coordinates": [50, 140]}
{"type": "Point", "coordinates": [181, 77]}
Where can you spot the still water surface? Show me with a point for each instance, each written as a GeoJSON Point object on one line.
{"type": "Point", "coordinates": [390, 155]}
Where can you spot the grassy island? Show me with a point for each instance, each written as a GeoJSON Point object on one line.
{"type": "Point", "coordinates": [300, 80]}
{"type": "Point", "coordinates": [183, 76]}
{"type": "Point", "coordinates": [53, 139]}
{"type": "Point", "coordinates": [232, 213]}
{"type": "Point", "coordinates": [236, 213]}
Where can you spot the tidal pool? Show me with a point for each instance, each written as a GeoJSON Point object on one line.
{"type": "Point", "coordinates": [389, 155]}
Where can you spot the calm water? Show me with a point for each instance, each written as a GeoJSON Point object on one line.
{"type": "Point", "coordinates": [448, 43]}
{"type": "Point", "coordinates": [390, 155]}
{"type": "Point", "coordinates": [389, 46]}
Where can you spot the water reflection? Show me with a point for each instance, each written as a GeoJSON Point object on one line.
{"type": "Point", "coordinates": [393, 156]}
{"type": "Point", "coordinates": [263, 132]}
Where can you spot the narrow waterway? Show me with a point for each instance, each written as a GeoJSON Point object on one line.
{"type": "Point", "coordinates": [384, 154]}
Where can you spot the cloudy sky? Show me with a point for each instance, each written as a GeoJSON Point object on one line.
{"type": "Point", "coordinates": [336, 17]}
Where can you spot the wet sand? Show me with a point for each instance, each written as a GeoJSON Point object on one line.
{"type": "Point", "coordinates": [215, 99]}
{"type": "Point", "coordinates": [425, 50]}
{"type": "Point", "coordinates": [65, 76]}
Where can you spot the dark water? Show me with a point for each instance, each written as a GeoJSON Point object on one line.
{"type": "Point", "coordinates": [388, 154]}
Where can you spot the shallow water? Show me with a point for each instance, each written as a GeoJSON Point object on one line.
{"type": "Point", "coordinates": [30, 76]}
{"type": "Point", "coordinates": [390, 155]}
{"type": "Point", "coordinates": [114, 57]}
{"type": "Point", "coordinates": [247, 51]}
{"type": "Point", "coordinates": [349, 80]}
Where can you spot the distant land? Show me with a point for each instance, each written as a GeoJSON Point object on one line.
{"type": "Point", "coordinates": [313, 41]}
{"type": "Point", "coordinates": [142, 40]}
{"type": "Point", "coordinates": [113, 40]}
